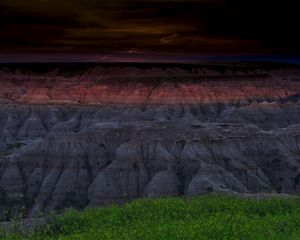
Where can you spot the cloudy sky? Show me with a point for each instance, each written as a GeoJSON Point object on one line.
{"type": "Point", "coordinates": [160, 26]}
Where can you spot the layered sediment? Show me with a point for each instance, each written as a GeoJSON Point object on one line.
{"type": "Point", "coordinates": [113, 133]}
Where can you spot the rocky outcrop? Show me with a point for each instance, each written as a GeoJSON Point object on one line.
{"type": "Point", "coordinates": [163, 184]}
{"type": "Point", "coordinates": [54, 156]}
{"type": "Point", "coordinates": [147, 84]}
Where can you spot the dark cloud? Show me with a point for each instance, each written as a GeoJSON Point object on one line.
{"type": "Point", "coordinates": [201, 26]}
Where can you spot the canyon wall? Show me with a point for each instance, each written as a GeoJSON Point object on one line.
{"type": "Point", "coordinates": [113, 133]}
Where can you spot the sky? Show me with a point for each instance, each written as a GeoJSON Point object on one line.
{"type": "Point", "coordinates": [139, 27]}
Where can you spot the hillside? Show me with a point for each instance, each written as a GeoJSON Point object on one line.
{"type": "Point", "coordinates": [76, 135]}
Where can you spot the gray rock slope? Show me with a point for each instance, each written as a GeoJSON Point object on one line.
{"type": "Point", "coordinates": [54, 157]}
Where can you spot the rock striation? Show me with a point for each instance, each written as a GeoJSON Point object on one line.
{"type": "Point", "coordinates": [116, 133]}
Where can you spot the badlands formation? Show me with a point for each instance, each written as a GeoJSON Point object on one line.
{"type": "Point", "coordinates": [77, 135]}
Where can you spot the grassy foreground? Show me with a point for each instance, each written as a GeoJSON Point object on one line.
{"type": "Point", "coordinates": [207, 217]}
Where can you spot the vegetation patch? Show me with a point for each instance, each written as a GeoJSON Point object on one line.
{"type": "Point", "coordinates": [206, 217]}
{"type": "Point", "coordinates": [4, 153]}
{"type": "Point", "coordinates": [15, 145]}
{"type": "Point", "coordinates": [10, 148]}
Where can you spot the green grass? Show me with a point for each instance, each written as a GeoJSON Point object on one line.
{"type": "Point", "coordinates": [4, 153]}
{"type": "Point", "coordinates": [208, 217]}
{"type": "Point", "coordinates": [11, 147]}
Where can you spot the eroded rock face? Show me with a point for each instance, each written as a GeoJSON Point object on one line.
{"type": "Point", "coordinates": [56, 156]}
{"type": "Point", "coordinates": [163, 184]}
{"type": "Point", "coordinates": [149, 84]}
